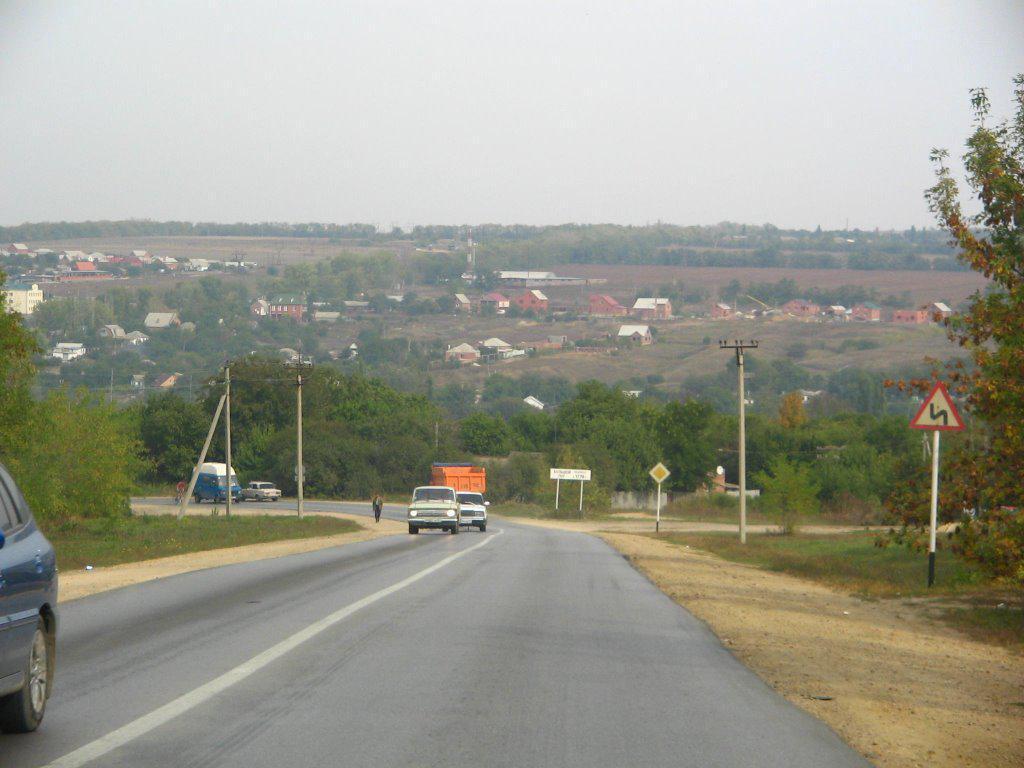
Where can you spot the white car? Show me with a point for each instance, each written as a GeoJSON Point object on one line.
{"type": "Point", "coordinates": [433, 506]}
{"type": "Point", "coordinates": [474, 509]}
{"type": "Point", "coordinates": [260, 491]}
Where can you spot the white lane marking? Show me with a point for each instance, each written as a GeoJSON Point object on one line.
{"type": "Point", "coordinates": [203, 693]}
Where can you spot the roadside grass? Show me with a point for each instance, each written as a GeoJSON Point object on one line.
{"type": "Point", "coordinates": [538, 512]}
{"type": "Point", "coordinates": [849, 561]}
{"type": "Point", "coordinates": [130, 539]}
{"type": "Point", "coordinates": [962, 597]}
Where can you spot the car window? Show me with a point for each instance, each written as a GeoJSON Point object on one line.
{"type": "Point", "coordinates": [471, 498]}
{"type": "Point", "coordinates": [432, 494]}
{"type": "Point", "coordinates": [8, 518]}
{"type": "Point", "coordinates": [13, 500]}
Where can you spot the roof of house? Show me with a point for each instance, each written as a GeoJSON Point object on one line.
{"type": "Point", "coordinates": [19, 246]}
{"type": "Point", "coordinates": [84, 266]}
{"type": "Point", "coordinates": [723, 305]}
{"type": "Point", "coordinates": [605, 298]}
{"type": "Point", "coordinates": [289, 299]}
{"type": "Point", "coordinates": [70, 345]}
{"type": "Point", "coordinates": [21, 287]}
{"type": "Point", "coordinates": [533, 402]}
{"type": "Point", "coordinates": [941, 306]}
{"type": "Point", "coordinates": [462, 298]}
{"type": "Point", "coordinates": [140, 254]}
{"type": "Point", "coordinates": [495, 296]}
{"type": "Point", "coordinates": [464, 349]}
{"type": "Point", "coordinates": [539, 295]}
{"type": "Point", "coordinates": [649, 303]}
{"type": "Point", "coordinates": [114, 331]}
{"type": "Point", "coordinates": [494, 342]}
{"type": "Point", "coordinates": [160, 319]}
{"type": "Point", "coordinates": [136, 335]}
{"type": "Point", "coordinates": [631, 330]}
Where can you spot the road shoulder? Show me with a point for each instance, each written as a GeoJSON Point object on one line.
{"type": "Point", "coordinates": [882, 670]}
{"type": "Point", "coordinates": [78, 584]}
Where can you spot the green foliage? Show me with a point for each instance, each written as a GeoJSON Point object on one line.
{"type": "Point", "coordinates": [789, 493]}
{"type": "Point", "coordinates": [485, 435]}
{"type": "Point", "coordinates": [76, 457]}
{"type": "Point", "coordinates": [172, 431]}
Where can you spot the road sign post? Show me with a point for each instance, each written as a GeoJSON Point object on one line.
{"type": "Point", "coordinates": [659, 473]}
{"type": "Point", "coordinates": [938, 414]}
{"type": "Point", "coordinates": [558, 475]}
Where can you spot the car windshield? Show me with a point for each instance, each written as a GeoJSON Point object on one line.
{"type": "Point", "coordinates": [433, 494]}
{"type": "Point", "coordinates": [471, 498]}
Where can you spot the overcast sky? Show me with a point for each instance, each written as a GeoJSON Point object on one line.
{"type": "Point", "coordinates": [792, 113]}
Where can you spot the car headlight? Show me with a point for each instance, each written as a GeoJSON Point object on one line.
{"type": "Point", "coordinates": [412, 513]}
{"type": "Point", "coordinates": [451, 513]}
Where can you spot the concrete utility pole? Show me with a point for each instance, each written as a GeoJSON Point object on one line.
{"type": "Point", "coordinates": [739, 346]}
{"type": "Point", "coordinates": [227, 437]}
{"type": "Point", "coordinates": [202, 458]}
{"type": "Point", "coordinates": [300, 471]}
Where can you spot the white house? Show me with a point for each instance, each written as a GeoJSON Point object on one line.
{"type": "Point", "coordinates": [66, 351]}
{"type": "Point", "coordinates": [136, 338]}
{"type": "Point", "coordinates": [157, 320]}
{"type": "Point", "coordinates": [494, 344]}
{"type": "Point", "coordinates": [23, 298]}
{"type": "Point", "coordinates": [640, 334]}
{"type": "Point", "coordinates": [533, 402]}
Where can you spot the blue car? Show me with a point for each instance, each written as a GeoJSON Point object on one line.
{"type": "Point", "coordinates": [28, 613]}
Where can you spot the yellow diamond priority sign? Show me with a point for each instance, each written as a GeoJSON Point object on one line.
{"type": "Point", "coordinates": [659, 473]}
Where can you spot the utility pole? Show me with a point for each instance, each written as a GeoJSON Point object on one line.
{"type": "Point", "coordinates": [110, 398]}
{"type": "Point", "coordinates": [227, 436]}
{"type": "Point", "coordinates": [300, 469]}
{"type": "Point", "coordinates": [202, 458]}
{"type": "Point", "coordinates": [739, 346]}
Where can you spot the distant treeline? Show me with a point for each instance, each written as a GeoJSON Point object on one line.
{"type": "Point", "coordinates": [504, 246]}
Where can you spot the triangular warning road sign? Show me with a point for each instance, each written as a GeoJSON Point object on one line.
{"type": "Point", "coordinates": [938, 412]}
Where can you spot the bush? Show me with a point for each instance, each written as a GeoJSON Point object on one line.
{"type": "Point", "coordinates": [789, 493]}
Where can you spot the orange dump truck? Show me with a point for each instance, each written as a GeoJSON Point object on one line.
{"type": "Point", "coordinates": [461, 477]}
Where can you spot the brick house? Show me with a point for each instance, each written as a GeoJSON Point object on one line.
{"type": "Point", "coordinates": [462, 303]}
{"type": "Point", "coordinates": [603, 305]}
{"type": "Point", "coordinates": [801, 308]}
{"type": "Point", "coordinates": [866, 313]}
{"type": "Point", "coordinates": [911, 316]}
{"type": "Point", "coordinates": [721, 311]}
{"type": "Point", "coordinates": [292, 305]}
{"type": "Point", "coordinates": [940, 309]}
{"type": "Point", "coordinates": [495, 300]}
{"type": "Point", "coordinates": [652, 308]}
{"type": "Point", "coordinates": [260, 307]}
{"type": "Point", "coordinates": [532, 301]}
{"type": "Point", "coordinates": [462, 353]}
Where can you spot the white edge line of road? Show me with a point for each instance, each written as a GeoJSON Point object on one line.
{"type": "Point", "coordinates": [204, 693]}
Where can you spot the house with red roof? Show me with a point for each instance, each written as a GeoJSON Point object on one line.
{"type": "Point", "coordinates": [603, 305]}
{"type": "Point", "coordinates": [532, 301]}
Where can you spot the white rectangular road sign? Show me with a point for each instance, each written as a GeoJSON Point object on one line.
{"type": "Point", "coordinates": [570, 474]}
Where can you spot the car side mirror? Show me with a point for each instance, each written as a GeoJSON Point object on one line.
{"type": "Point", "coordinates": [2, 539]}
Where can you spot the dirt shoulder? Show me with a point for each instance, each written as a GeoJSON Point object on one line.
{"type": "Point", "coordinates": [76, 584]}
{"type": "Point", "coordinates": [904, 690]}
{"type": "Point", "coordinates": [640, 522]}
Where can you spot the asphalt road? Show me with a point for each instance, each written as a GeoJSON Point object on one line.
{"type": "Point", "coordinates": [518, 647]}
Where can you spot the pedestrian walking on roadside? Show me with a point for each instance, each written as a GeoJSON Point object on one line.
{"type": "Point", "coordinates": [378, 506]}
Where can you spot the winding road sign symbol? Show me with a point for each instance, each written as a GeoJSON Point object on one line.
{"type": "Point", "coordinates": [938, 412]}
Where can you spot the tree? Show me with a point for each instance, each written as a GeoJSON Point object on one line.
{"type": "Point", "coordinates": [16, 370]}
{"type": "Point", "coordinates": [686, 447]}
{"type": "Point", "coordinates": [791, 411]}
{"type": "Point", "coordinates": [789, 493]}
{"type": "Point", "coordinates": [172, 431]}
{"type": "Point", "coordinates": [992, 330]}
{"type": "Point", "coordinates": [485, 435]}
